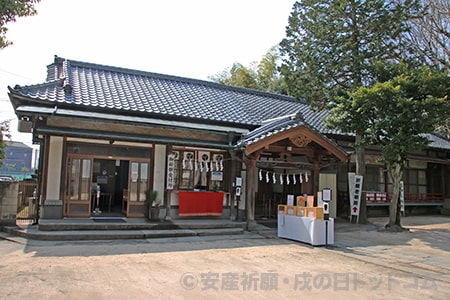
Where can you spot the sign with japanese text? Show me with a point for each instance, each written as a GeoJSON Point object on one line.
{"type": "Point", "coordinates": [217, 176]}
{"type": "Point", "coordinates": [402, 197]}
{"type": "Point", "coordinates": [290, 199]}
{"type": "Point", "coordinates": [355, 190]}
{"type": "Point", "coordinates": [170, 171]}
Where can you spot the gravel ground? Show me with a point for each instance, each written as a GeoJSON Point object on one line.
{"type": "Point", "coordinates": [365, 263]}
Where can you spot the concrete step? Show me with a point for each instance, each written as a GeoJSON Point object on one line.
{"type": "Point", "coordinates": [32, 232]}
{"type": "Point", "coordinates": [124, 228]}
{"type": "Point", "coordinates": [69, 226]}
{"type": "Point", "coordinates": [134, 224]}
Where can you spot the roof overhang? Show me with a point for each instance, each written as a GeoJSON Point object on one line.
{"type": "Point", "coordinates": [298, 133]}
{"type": "Point", "coordinates": [28, 109]}
{"type": "Point", "coordinates": [127, 137]}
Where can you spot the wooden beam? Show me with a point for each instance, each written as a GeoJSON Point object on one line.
{"type": "Point", "coordinates": [299, 151]}
{"type": "Point", "coordinates": [268, 143]}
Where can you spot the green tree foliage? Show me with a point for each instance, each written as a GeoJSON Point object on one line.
{"type": "Point", "coordinates": [4, 131]}
{"type": "Point", "coordinates": [261, 76]}
{"type": "Point", "coordinates": [269, 77]}
{"type": "Point", "coordinates": [395, 113]}
{"type": "Point", "coordinates": [331, 47]}
{"type": "Point", "coordinates": [9, 11]}
{"type": "Point", "coordinates": [240, 76]}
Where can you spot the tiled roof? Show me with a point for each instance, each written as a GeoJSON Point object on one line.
{"type": "Point", "coordinates": [96, 87]}
{"type": "Point", "coordinates": [278, 125]}
{"type": "Point", "coordinates": [272, 127]}
{"type": "Point", "coordinates": [438, 142]}
{"type": "Point", "coordinates": [16, 144]}
{"type": "Point", "coordinates": [91, 87]}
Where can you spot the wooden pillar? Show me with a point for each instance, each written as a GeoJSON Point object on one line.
{"type": "Point", "coordinates": [251, 190]}
{"type": "Point", "coordinates": [315, 176]}
{"type": "Point", "coordinates": [233, 167]}
{"type": "Point", "coordinates": [167, 193]}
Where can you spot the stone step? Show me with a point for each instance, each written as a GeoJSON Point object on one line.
{"type": "Point", "coordinates": [127, 224]}
{"type": "Point", "coordinates": [63, 235]}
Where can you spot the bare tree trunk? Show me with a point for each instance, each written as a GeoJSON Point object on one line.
{"type": "Point", "coordinates": [396, 174]}
{"type": "Point", "coordinates": [361, 170]}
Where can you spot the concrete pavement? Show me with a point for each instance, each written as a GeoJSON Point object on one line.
{"type": "Point", "coordinates": [422, 249]}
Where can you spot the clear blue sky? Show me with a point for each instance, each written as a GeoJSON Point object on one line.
{"type": "Point", "coordinates": [189, 38]}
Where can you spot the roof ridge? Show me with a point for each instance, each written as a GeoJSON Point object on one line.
{"type": "Point", "coordinates": [275, 124]}
{"type": "Point", "coordinates": [99, 87]}
{"type": "Point", "coordinates": [17, 144]}
{"type": "Point", "coordinates": [58, 81]}
{"type": "Point", "coordinates": [176, 78]}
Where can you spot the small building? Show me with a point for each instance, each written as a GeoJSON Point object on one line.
{"type": "Point", "coordinates": [110, 135]}
{"type": "Point", "coordinates": [17, 162]}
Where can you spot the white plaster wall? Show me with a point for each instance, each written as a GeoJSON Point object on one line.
{"type": "Point", "coordinates": [54, 175]}
{"type": "Point", "coordinates": [159, 174]}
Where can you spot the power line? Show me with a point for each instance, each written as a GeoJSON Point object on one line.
{"type": "Point", "coordinates": [14, 74]}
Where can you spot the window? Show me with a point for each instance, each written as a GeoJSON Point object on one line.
{"type": "Point", "coordinates": [415, 182]}
{"type": "Point", "coordinates": [374, 179]}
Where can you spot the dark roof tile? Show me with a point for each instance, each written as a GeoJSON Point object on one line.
{"type": "Point", "coordinates": [130, 90]}
{"type": "Point", "coordinates": [106, 87]}
{"type": "Point", "coordinates": [272, 127]}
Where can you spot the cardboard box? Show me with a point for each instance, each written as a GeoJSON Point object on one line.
{"type": "Point", "coordinates": [314, 212]}
{"type": "Point", "coordinates": [310, 201]}
{"type": "Point", "coordinates": [300, 211]}
{"type": "Point", "coordinates": [290, 210]}
{"type": "Point", "coordinates": [301, 201]}
{"type": "Point", "coordinates": [281, 209]}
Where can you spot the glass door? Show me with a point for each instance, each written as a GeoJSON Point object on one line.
{"type": "Point", "coordinates": [77, 199]}
{"type": "Point", "coordinates": [138, 185]}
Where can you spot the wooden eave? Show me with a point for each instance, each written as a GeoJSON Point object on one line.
{"type": "Point", "coordinates": [300, 131]}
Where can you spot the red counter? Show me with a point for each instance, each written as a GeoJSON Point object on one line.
{"type": "Point", "coordinates": [200, 203]}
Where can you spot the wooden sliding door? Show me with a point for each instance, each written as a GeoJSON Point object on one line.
{"type": "Point", "coordinates": [77, 199]}
{"type": "Point", "coordinates": [138, 185]}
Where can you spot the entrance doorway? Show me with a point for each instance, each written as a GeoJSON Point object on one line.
{"type": "Point", "coordinates": [270, 195]}
{"type": "Point", "coordinates": [99, 187]}
{"type": "Point", "coordinates": [110, 177]}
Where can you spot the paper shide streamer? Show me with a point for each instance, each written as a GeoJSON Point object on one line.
{"type": "Point", "coordinates": [283, 178]}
